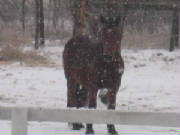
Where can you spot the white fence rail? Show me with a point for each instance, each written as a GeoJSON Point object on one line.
{"type": "Point", "coordinates": [21, 115]}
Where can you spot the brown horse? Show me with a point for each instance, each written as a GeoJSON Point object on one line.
{"type": "Point", "coordinates": [91, 66]}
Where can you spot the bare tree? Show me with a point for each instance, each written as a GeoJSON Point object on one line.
{"type": "Point", "coordinates": [55, 13]}
{"type": "Point", "coordinates": [37, 27]}
{"type": "Point", "coordinates": [39, 21]}
{"type": "Point", "coordinates": [174, 42]}
{"type": "Point", "coordinates": [79, 16]}
{"type": "Point", "coordinates": [82, 16]}
{"type": "Point", "coordinates": [23, 15]}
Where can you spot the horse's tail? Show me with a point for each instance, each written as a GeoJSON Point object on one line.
{"type": "Point", "coordinates": [81, 96]}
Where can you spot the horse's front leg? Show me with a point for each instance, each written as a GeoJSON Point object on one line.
{"type": "Point", "coordinates": [72, 101]}
{"type": "Point", "coordinates": [111, 105]}
{"type": "Point", "coordinates": [92, 95]}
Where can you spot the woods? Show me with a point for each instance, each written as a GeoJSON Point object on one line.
{"type": "Point", "coordinates": [48, 18]}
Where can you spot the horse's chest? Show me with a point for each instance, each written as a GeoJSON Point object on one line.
{"type": "Point", "coordinates": [110, 76]}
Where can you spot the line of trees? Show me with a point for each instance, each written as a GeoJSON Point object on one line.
{"type": "Point", "coordinates": [39, 19]}
{"type": "Point", "coordinates": [45, 17]}
{"type": "Point", "coordinates": [34, 14]}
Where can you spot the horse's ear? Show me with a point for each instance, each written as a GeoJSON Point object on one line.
{"type": "Point", "coordinates": [102, 19]}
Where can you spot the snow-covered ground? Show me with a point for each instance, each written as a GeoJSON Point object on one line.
{"type": "Point", "coordinates": [151, 82]}
{"type": "Point", "coordinates": [36, 128]}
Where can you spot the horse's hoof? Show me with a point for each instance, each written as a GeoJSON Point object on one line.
{"type": "Point", "coordinates": [77, 126]}
{"type": "Point", "coordinates": [81, 125]}
{"type": "Point", "coordinates": [112, 132]}
{"type": "Point", "coordinates": [104, 100]}
{"type": "Point", "coordinates": [89, 131]}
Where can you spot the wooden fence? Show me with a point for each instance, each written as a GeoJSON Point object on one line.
{"type": "Point", "coordinates": [21, 115]}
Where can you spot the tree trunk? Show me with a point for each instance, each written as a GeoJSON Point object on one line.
{"type": "Point", "coordinates": [75, 13]}
{"type": "Point", "coordinates": [55, 14]}
{"type": "Point", "coordinates": [23, 15]}
{"type": "Point", "coordinates": [37, 27]}
{"type": "Point", "coordinates": [82, 16]}
{"type": "Point", "coordinates": [175, 30]}
{"type": "Point", "coordinates": [41, 21]}
{"type": "Point", "coordinates": [79, 16]}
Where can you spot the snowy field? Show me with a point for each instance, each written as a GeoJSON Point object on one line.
{"type": "Point", "coordinates": [151, 82]}
{"type": "Point", "coordinates": [36, 128]}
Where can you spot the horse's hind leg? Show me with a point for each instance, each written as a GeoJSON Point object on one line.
{"type": "Point", "coordinates": [92, 95]}
{"type": "Point", "coordinates": [72, 100]}
{"type": "Point", "coordinates": [81, 96]}
{"type": "Point", "coordinates": [111, 105]}
{"type": "Point", "coordinates": [71, 90]}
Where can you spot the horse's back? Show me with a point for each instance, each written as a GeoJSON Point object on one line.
{"type": "Point", "coordinates": [79, 54]}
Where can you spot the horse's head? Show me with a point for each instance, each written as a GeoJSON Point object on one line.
{"type": "Point", "coordinates": [110, 37]}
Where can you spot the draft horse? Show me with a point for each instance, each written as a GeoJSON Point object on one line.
{"type": "Point", "coordinates": [90, 66]}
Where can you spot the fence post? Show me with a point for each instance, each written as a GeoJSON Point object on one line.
{"type": "Point", "coordinates": [19, 121]}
